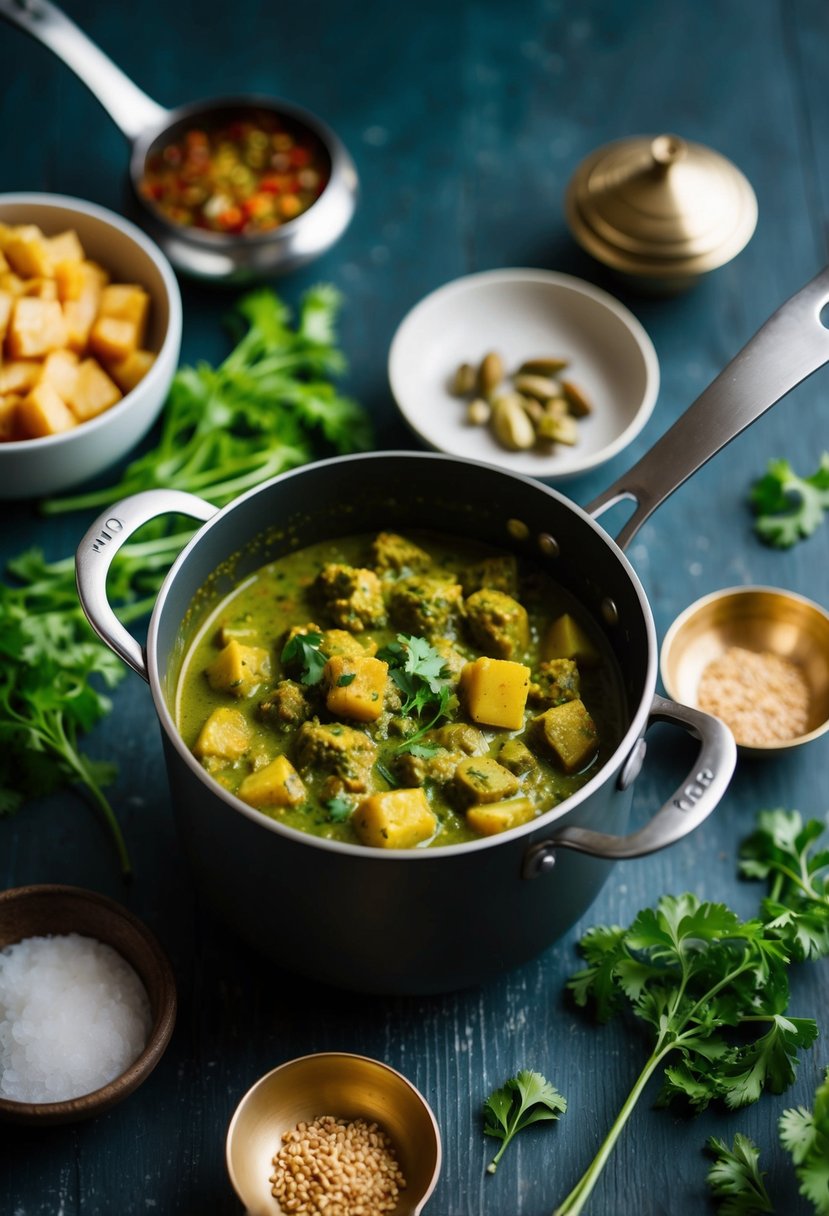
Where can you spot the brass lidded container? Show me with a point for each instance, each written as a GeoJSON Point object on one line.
{"type": "Point", "coordinates": [660, 210]}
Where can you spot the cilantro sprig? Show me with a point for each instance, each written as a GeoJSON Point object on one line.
{"type": "Point", "coordinates": [736, 1178]}
{"type": "Point", "coordinates": [695, 974]}
{"type": "Point", "coordinates": [303, 650]}
{"type": "Point", "coordinates": [789, 508]}
{"type": "Point", "coordinates": [420, 673]}
{"type": "Point", "coordinates": [783, 851]}
{"type": "Point", "coordinates": [523, 1100]}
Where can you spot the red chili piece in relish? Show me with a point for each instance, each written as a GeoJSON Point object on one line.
{"type": "Point", "coordinates": [245, 177]}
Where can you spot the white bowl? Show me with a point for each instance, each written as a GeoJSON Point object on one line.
{"type": "Point", "coordinates": [32, 468]}
{"type": "Point", "coordinates": [524, 314]}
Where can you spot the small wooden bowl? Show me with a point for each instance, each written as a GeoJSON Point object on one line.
{"type": "Point", "coordinates": [347, 1087]}
{"type": "Point", "coordinates": [42, 910]}
{"type": "Point", "coordinates": [759, 619]}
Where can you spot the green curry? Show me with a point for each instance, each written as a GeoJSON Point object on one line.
{"type": "Point", "coordinates": [400, 692]}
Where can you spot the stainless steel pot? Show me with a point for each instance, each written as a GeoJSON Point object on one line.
{"type": "Point", "coordinates": [432, 920]}
{"type": "Point", "coordinates": [213, 256]}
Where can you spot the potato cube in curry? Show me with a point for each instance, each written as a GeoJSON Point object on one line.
{"type": "Point", "coordinates": [497, 623]}
{"type": "Point", "coordinates": [36, 327]}
{"type": "Point", "coordinates": [93, 391]}
{"type": "Point", "coordinates": [238, 669]}
{"type": "Point", "coordinates": [225, 734]}
{"type": "Point", "coordinates": [569, 733]}
{"type": "Point", "coordinates": [355, 687]}
{"type": "Point", "coordinates": [340, 641]}
{"type": "Point", "coordinates": [44, 412]}
{"type": "Point", "coordinates": [555, 682]}
{"type": "Point", "coordinates": [395, 819]}
{"type": "Point", "coordinates": [482, 779]}
{"type": "Point", "coordinates": [565, 639]}
{"type": "Point", "coordinates": [517, 757]}
{"type": "Point", "coordinates": [277, 784]}
{"type": "Point", "coordinates": [352, 596]}
{"type": "Point", "coordinates": [495, 692]}
{"type": "Point", "coordinates": [500, 816]}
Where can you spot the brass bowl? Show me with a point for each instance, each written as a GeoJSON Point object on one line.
{"type": "Point", "coordinates": [348, 1087]}
{"type": "Point", "coordinates": [39, 911]}
{"type": "Point", "coordinates": [758, 619]}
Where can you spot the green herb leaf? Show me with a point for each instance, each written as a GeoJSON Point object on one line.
{"type": "Point", "coordinates": [782, 851]}
{"type": "Point", "coordinates": [736, 1178]}
{"type": "Point", "coordinates": [788, 507]}
{"type": "Point", "coordinates": [339, 808]}
{"type": "Point", "coordinates": [420, 673]}
{"type": "Point", "coordinates": [348, 677]}
{"type": "Point", "coordinates": [303, 651]}
{"type": "Point", "coordinates": [525, 1099]}
{"type": "Point", "coordinates": [805, 1135]}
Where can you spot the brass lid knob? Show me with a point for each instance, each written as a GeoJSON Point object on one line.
{"type": "Point", "coordinates": [660, 207]}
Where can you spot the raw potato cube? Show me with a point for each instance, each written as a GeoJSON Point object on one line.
{"type": "Point", "coordinates": [93, 391]}
{"type": "Point", "coordinates": [226, 734]}
{"type": "Point", "coordinates": [79, 316]}
{"type": "Point", "coordinates": [27, 252]}
{"type": "Point", "coordinates": [113, 338]}
{"type": "Point", "coordinates": [126, 302]}
{"type": "Point", "coordinates": [11, 282]}
{"type": "Point", "coordinates": [36, 327]}
{"type": "Point", "coordinates": [131, 371]}
{"type": "Point", "coordinates": [395, 819]}
{"type": "Point", "coordinates": [60, 369]}
{"type": "Point", "coordinates": [482, 779]}
{"type": "Point", "coordinates": [238, 669]}
{"type": "Point", "coordinates": [8, 417]}
{"type": "Point", "coordinates": [65, 247]}
{"type": "Point", "coordinates": [569, 733]}
{"type": "Point", "coordinates": [43, 412]}
{"type": "Point", "coordinates": [565, 639]}
{"type": "Point", "coordinates": [19, 375]}
{"type": "Point", "coordinates": [500, 816]}
{"type": "Point", "coordinates": [40, 289]}
{"type": "Point", "coordinates": [277, 784]}
{"type": "Point", "coordinates": [355, 687]}
{"type": "Point", "coordinates": [495, 691]}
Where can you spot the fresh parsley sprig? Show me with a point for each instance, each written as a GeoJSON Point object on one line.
{"type": "Point", "coordinates": [788, 507]}
{"type": "Point", "coordinates": [523, 1100]}
{"type": "Point", "coordinates": [783, 851]}
{"type": "Point", "coordinates": [420, 673]}
{"type": "Point", "coordinates": [694, 972]}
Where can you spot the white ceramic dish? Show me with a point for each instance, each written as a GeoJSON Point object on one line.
{"type": "Point", "coordinates": [33, 468]}
{"type": "Point", "coordinates": [524, 314]}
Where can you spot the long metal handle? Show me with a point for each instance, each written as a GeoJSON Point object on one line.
{"type": "Point", "coordinates": [684, 811]}
{"type": "Point", "coordinates": [130, 109]}
{"type": "Point", "coordinates": [791, 345]}
{"type": "Point", "coordinates": [99, 546]}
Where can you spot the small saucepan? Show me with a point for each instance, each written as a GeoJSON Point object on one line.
{"type": "Point", "coordinates": [428, 920]}
{"type": "Point", "coordinates": [208, 255]}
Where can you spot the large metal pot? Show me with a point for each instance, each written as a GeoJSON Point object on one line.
{"type": "Point", "coordinates": [432, 920]}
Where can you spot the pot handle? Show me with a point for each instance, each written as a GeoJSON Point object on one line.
{"type": "Point", "coordinates": [691, 803]}
{"type": "Point", "coordinates": [99, 546]}
{"type": "Point", "coordinates": [792, 344]}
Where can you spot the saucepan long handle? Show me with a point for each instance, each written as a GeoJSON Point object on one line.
{"type": "Point", "coordinates": [684, 811]}
{"type": "Point", "coordinates": [130, 109]}
{"type": "Point", "coordinates": [791, 345]}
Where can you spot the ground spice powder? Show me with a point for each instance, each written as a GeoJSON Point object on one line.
{"type": "Point", "coordinates": [336, 1167]}
{"type": "Point", "coordinates": [761, 696]}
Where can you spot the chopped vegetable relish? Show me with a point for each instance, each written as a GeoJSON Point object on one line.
{"type": "Point", "coordinates": [246, 175]}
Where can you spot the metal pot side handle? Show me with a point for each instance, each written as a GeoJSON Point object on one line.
{"type": "Point", "coordinates": [684, 811]}
{"type": "Point", "coordinates": [99, 546]}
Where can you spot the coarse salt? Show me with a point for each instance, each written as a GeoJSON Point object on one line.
{"type": "Point", "coordinates": [73, 1016]}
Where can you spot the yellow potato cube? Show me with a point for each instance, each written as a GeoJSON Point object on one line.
{"type": "Point", "coordinates": [500, 816]}
{"type": "Point", "coordinates": [113, 338]}
{"type": "Point", "coordinates": [395, 819]}
{"type": "Point", "coordinates": [93, 391]}
{"type": "Point", "coordinates": [43, 412]}
{"type": "Point", "coordinates": [9, 429]}
{"type": "Point", "coordinates": [565, 639]}
{"type": "Point", "coordinates": [482, 779]}
{"type": "Point", "coordinates": [355, 686]}
{"type": "Point", "coordinates": [12, 283]}
{"type": "Point", "coordinates": [495, 691]}
{"type": "Point", "coordinates": [19, 375]}
{"type": "Point", "coordinates": [6, 305]}
{"type": "Point", "coordinates": [36, 327]}
{"type": "Point", "coordinates": [40, 289]}
{"type": "Point", "coordinates": [65, 247]}
{"type": "Point", "coordinates": [131, 371]}
{"type": "Point", "coordinates": [79, 316]}
{"type": "Point", "coordinates": [27, 252]}
{"type": "Point", "coordinates": [238, 669]}
{"type": "Point", "coordinates": [60, 369]}
{"type": "Point", "coordinates": [226, 734]}
{"type": "Point", "coordinates": [277, 784]}
{"type": "Point", "coordinates": [126, 302]}
{"type": "Point", "coordinates": [569, 733]}
{"type": "Point", "coordinates": [4, 266]}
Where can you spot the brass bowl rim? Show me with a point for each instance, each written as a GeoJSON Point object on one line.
{"type": "Point", "coordinates": [338, 1055]}
{"type": "Point", "coordinates": [681, 622]}
{"type": "Point", "coordinates": [163, 1017]}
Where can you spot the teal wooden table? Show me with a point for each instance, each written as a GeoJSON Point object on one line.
{"type": "Point", "coordinates": [466, 121]}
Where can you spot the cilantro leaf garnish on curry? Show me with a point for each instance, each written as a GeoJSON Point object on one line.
{"type": "Point", "coordinates": [400, 693]}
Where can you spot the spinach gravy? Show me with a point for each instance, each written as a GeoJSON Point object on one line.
{"type": "Point", "coordinates": [400, 692]}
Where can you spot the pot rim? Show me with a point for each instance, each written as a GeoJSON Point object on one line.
{"type": "Point", "coordinates": [543, 822]}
